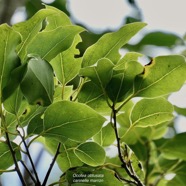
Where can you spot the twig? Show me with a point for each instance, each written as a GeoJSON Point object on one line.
{"type": "Point", "coordinates": [12, 151]}
{"type": "Point", "coordinates": [51, 165]}
{"type": "Point", "coordinates": [14, 157]}
{"type": "Point", "coordinates": [30, 158]}
{"type": "Point", "coordinates": [124, 164]}
{"type": "Point", "coordinates": [30, 174]}
{"type": "Point", "coordinates": [123, 179]}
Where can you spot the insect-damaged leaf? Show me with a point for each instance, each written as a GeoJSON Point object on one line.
{"type": "Point", "coordinates": [165, 74]}
{"type": "Point", "coordinates": [52, 46]}
{"type": "Point", "coordinates": [108, 45]}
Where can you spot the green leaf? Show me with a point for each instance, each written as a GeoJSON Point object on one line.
{"type": "Point", "coordinates": [35, 125]}
{"type": "Point", "coordinates": [90, 153]}
{"type": "Point", "coordinates": [56, 20]}
{"type": "Point", "coordinates": [8, 57]}
{"type": "Point", "coordinates": [29, 29]}
{"type": "Point", "coordinates": [144, 118]}
{"type": "Point", "coordinates": [108, 45]}
{"type": "Point", "coordinates": [93, 96]}
{"type": "Point", "coordinates": [16, 78]}
{"type": "Point", "coordinates": [121, 86]}
{"type": "Point", "coordinates": [66, 90]}
{"type": "Point", "coordinates": [151, 112]}
{"type": "Point", "coordinates": [160, 39]}
{"type": "Point", "coordinates": [99, 74]}
{"type": "Point", "coordinates": [29, 112]}
{"type": "Point", "coordinates": [106, 136]}
{"type": "Point", "coordinates": [165, 74]}
{"type": "Point", "coordinates": [13, 103]}
{"type": "Point", "coordinates": [130, 56]}
{"type": "Point", "coordinates": [6, 156]}
{"type": "Point", "coordinates": [67, 158]}
{"type": "Point", "coordinates": [89, 176]}
{"type": "Point", "coordinates": [52, 46]}
{"type": "Point", "coordinates": [70, 118]}
{"type": "Point", "coordinates": [179, 178]}
{"type": "Point", "coordinates": [65, 65]}
{"type": "Point", "coordinates": [39, 77]}
{"type": "Point", "coordinates": [175, 148]}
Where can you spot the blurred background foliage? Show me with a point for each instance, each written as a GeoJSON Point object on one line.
{"type": "Point", "coordinates": [146, 43]}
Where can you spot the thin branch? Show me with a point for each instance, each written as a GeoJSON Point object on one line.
{"type": "Point", "coordinates": [12, 151]}
{"type": "Point", "coordinates": [30, 174]}
{"type": "Point", "coordinates": [51, 165]}
{"type": "Point", "coordinates": [15, 160]}
{"type": "Point", "coordinates": [124, 164]}
{"type": "Point", "coordinates": [123, 179]}
{"type": "Point", "coordinates": [30, 158]}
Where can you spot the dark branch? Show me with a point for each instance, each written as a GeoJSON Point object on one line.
{"type": "Point", "coordinates": [13, 153]}
{"type": "Point", "coordinates": [30, 158]}
{"type": "Point", "coordinates": [51, 165]}
{"type": "Point", "coordinates": [30, 174]}
{"type": "Point", "coordinates": [124, 163]}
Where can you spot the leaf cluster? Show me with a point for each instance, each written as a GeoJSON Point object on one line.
{"type": "Point", "coordinates": [79, 107]}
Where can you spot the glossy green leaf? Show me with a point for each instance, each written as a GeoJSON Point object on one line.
{"type": "Point", "coordinates": [180, 111]}
{"type": "Point", "coordinates": [160, 39]}
{"type": "Point", "coordinates": [8, 57]}
{"type": "Point", "coordinates": [99, 74]}
{"type": "Point", "coordinates": [6, 156]}
{"type": "Point", "coordinates": [29, 112]}
{"type": "Point", "coordinates": [165, 74]}
{"type": "Point", "coordinates": [70, 118]}
{"type": "Point", "coordinates": [35, 124]}
{"type": "Point", "coordinates": [93, 96]}
{"type": "Point", "coordinates": [65, 65]}
{"type": "Point", "coordinates": [13, 103]}
{"type": "Point", "coordinates": [52, 46]}
{"type": "Point", "coordinates": [130, 56]}
{"type": "Point", "coordinates": [67, 158]}
{"type": "Point", "coordinates": [15, 80]}
{"type": "Point", "coordinates": [29, 29]}
{"type": "Point", "coordinates": [41, 81]}
{"type": "Point", "coordinates": [106, 136]}
{"type": "Point", "coordinates": [90, 153]}
{"type": "Point", "coordinates": [146, 119]}
{"type": "Point", "coordinates": [56, 20]}
{"type": "Point", "coordinates": [121, 86]}
{"type": "Point", "coordinates": [175, 147]}
{"type": "Point", "coordinates": [63, 93]}
{"type": "Point", "coordinates": [180, 178]}
{"type": "Point", "coordinates": [108, 45]}
{"type": "Point", "coordinates": [151, 112]}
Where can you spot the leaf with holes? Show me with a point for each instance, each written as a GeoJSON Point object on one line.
{"type": "Point", "coordinates": [52, 46]}
{"type": "Point", "coordinates": [108, 45]}
{"type": "Point", "coordinates": [165, 74]}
